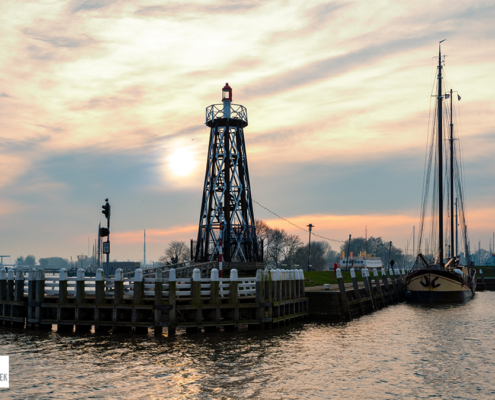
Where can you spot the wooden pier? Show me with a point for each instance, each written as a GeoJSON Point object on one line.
{"type": "Point", "coordinates": [377, 291]}
{"type": "Point", "coordinates": [270, 299]}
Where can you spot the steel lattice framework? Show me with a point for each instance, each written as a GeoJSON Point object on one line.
{"type": "Point", "coordinates": [227, 189]}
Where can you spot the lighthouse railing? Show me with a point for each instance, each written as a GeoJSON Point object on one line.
{"type": "Point", "coordinates": [216, 111]}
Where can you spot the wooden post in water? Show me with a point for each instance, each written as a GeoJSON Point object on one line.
{"type": "Point", "coordinates": [158, 328]}
{"type": "Point", "coordinates": [118, 297]}
{"type": "Point", "coordinates": [196, 300]}
{"type": "Point", "coordinates": [3, 284]}
{"type": "Point", "coordinates": [355, 286]}
{"type": "Point", "coordinates": [17, 310]}
{"type": "Point", "coordinates": [367, 279]}
{"type": "Point", "coordinates": [301, 283]}
{"type": "Point", "coordinates": [273, 275]}
{"type": "Point", "coordinates": [172, 301]}
{"type": "Point", "coordinates": [378, 287]}
{"type": "Point", "coordinates": [385, 284]}
{"type": "Point", "coordinates": [260, 297]}
{"type": "Point", "coordinates": [118, 293]}
{"type": "Point", "coordinates": [19, 286]}
{"type": "Point", "coordinates": [214, 299]}
{"type": "Point", "coordinates": [343, 296]}
{"type": "Point", "coordinates": [99, 287]}
{"type": "Point", "coordinates": [31, 311]}
{"type": "Point", "coordinates": [10, 285]}
{"type": "Point", "coordinates": [279, 284]}
{"type": "Point", "coordinates": [234, 299]}
{"type": "Point", "coordinates": [80, 313]}
{"type": "Point", "coordinates": [138, 300]}
{"type": "Point", "coordinates": [62, 300]}
{"type": "Point", "coordinates": [99, 298]}
{"type": "Point", "coordinates": [80, 292]}
{"type": "Point", "coordinates": [3, 293]}
{"type": "Point", "coordinates": [40, 299]}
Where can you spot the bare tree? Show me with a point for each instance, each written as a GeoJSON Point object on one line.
{"type": "Point", "coordinates": [175, 253]}
{"type": "Point", "coordinates": [321, 253]}
{"type": "Point", "coordinates": [281, 247]}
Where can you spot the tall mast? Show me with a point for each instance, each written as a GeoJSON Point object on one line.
{"type": "Point", "coordinates": [456, 230]}
{"type": "Point", "coordinates": [452, 249]}
{"type": "Point", "coordinates": [440, 164]}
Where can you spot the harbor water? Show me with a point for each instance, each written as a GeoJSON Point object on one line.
{"type": "Point", "coordinates": [402, 351]}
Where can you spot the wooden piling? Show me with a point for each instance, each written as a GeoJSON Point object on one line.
{"type": "Point", "coordinates": [40, 299]}
{"type": "Point", "coordinates": [355, 286]}
{"type": "Point", "coordinates": [196, 300]}
{"type": "Point", "coordinates": [344, 304]}
{"type": "Point", "coordinates": [3, 284]}
{"type": "Point", "coordinates": [19, 286]}
{"type": "Point", "coordinates": [118, 297]}
{"type": "Point", "coordinates": [80, 293]}
{"type": "Point", "coordinates": [386, 286]}
{"type": "Point", "coordinates": [10, 285]}
{"type": "Point", "coordinates": [378, 287]}
{"type": "Point", "coordinates": [214, 299]}
{"type": "Point", "coordinates": [31, 310]}
{"type": "Point", "coordinates": [137, 313]}
{"type": "Point", "coordinates": [62, 301]}
{"type": "Point", "coordinates": [368, 284]}
{"type": "Point", "coordinates": [172, 301]}
{"type": "Point", "coordinates": [157, 314]}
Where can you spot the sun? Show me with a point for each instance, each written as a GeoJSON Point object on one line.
{"type": "Point", "coordinates": [182, 162]}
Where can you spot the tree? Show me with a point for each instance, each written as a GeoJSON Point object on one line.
{"type": "Point", "coordinates": [57, 262]}
{"type": "Point", "coordinates": [30, 260]}
{"type": "Point", "coordinates": [281, 247]}
{"type": "Point", "coordinates": [175, 253]}
{"type": "Point", "coordinates": [321, 253]}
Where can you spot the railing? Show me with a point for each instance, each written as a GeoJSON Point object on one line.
{"type": "Point", "coordinates": [246, 286]}
{"type": "Point", "coordinates": [216, 111]}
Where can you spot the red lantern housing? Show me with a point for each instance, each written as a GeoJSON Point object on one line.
{"type": "Point", "coordinates": [227, 93]}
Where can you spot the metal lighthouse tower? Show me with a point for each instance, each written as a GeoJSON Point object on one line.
{"type": "Point", "coordinates": [227, 200]}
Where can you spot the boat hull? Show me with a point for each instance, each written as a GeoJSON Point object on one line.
{"type": "Point", "coordinates": [437, 286]}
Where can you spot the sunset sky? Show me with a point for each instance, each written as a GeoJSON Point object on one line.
{"type": "Point", "coordinates": [107, 99]}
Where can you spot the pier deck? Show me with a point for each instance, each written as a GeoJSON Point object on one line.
{"type": "Point", "coordinates": [268, 300]}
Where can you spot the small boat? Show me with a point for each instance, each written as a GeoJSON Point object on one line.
{"type": "Point", "coordinates": [441, 279]}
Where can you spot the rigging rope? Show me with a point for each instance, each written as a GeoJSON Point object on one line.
{"type": "Point", "coordinates": [297, 226]}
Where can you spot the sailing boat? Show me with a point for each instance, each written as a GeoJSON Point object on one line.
{"type": "Point", "coordinates": [441, 279]}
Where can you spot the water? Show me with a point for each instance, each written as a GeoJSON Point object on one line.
{"type": "Point", "coordinates": [403, 351]}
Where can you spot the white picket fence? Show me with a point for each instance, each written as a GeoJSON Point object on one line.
{"type": "Point", "coordinates": [246, 286]}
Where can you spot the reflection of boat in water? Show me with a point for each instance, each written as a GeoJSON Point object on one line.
{"type": "Point", "coordinates": [364, 260]}
{"type": "Point", "coordinates": [441, 280]}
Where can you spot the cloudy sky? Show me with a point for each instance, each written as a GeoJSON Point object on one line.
{"type": "Point", "coordinates": [106, 98]}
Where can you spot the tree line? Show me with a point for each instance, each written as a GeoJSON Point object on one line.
{"type": "Point", "coordinates": [284, 250]}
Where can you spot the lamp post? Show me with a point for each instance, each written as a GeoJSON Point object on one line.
{"type": "Point", "coordinates": [310, 226]}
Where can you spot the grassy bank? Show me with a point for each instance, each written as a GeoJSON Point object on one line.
{"type": "Point", "coordinates": [317, 278]}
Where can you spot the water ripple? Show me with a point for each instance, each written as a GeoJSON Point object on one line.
{"type": "Point", "coordinates": [403, 351]}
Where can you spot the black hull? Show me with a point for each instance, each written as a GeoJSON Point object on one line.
{"type": "Point", "coordinates": [438, 297]}
{"type": "Point", "coordinates": [431, 285]}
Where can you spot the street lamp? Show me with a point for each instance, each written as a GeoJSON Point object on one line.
{"type": "Point", "coordinates": [310, 226]}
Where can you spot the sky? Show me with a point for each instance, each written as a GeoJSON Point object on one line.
{"type": "Point", "coordinates": [107, 99]}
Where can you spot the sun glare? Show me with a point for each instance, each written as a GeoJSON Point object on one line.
{"type": "Point", "coordinates": [182, 162]}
